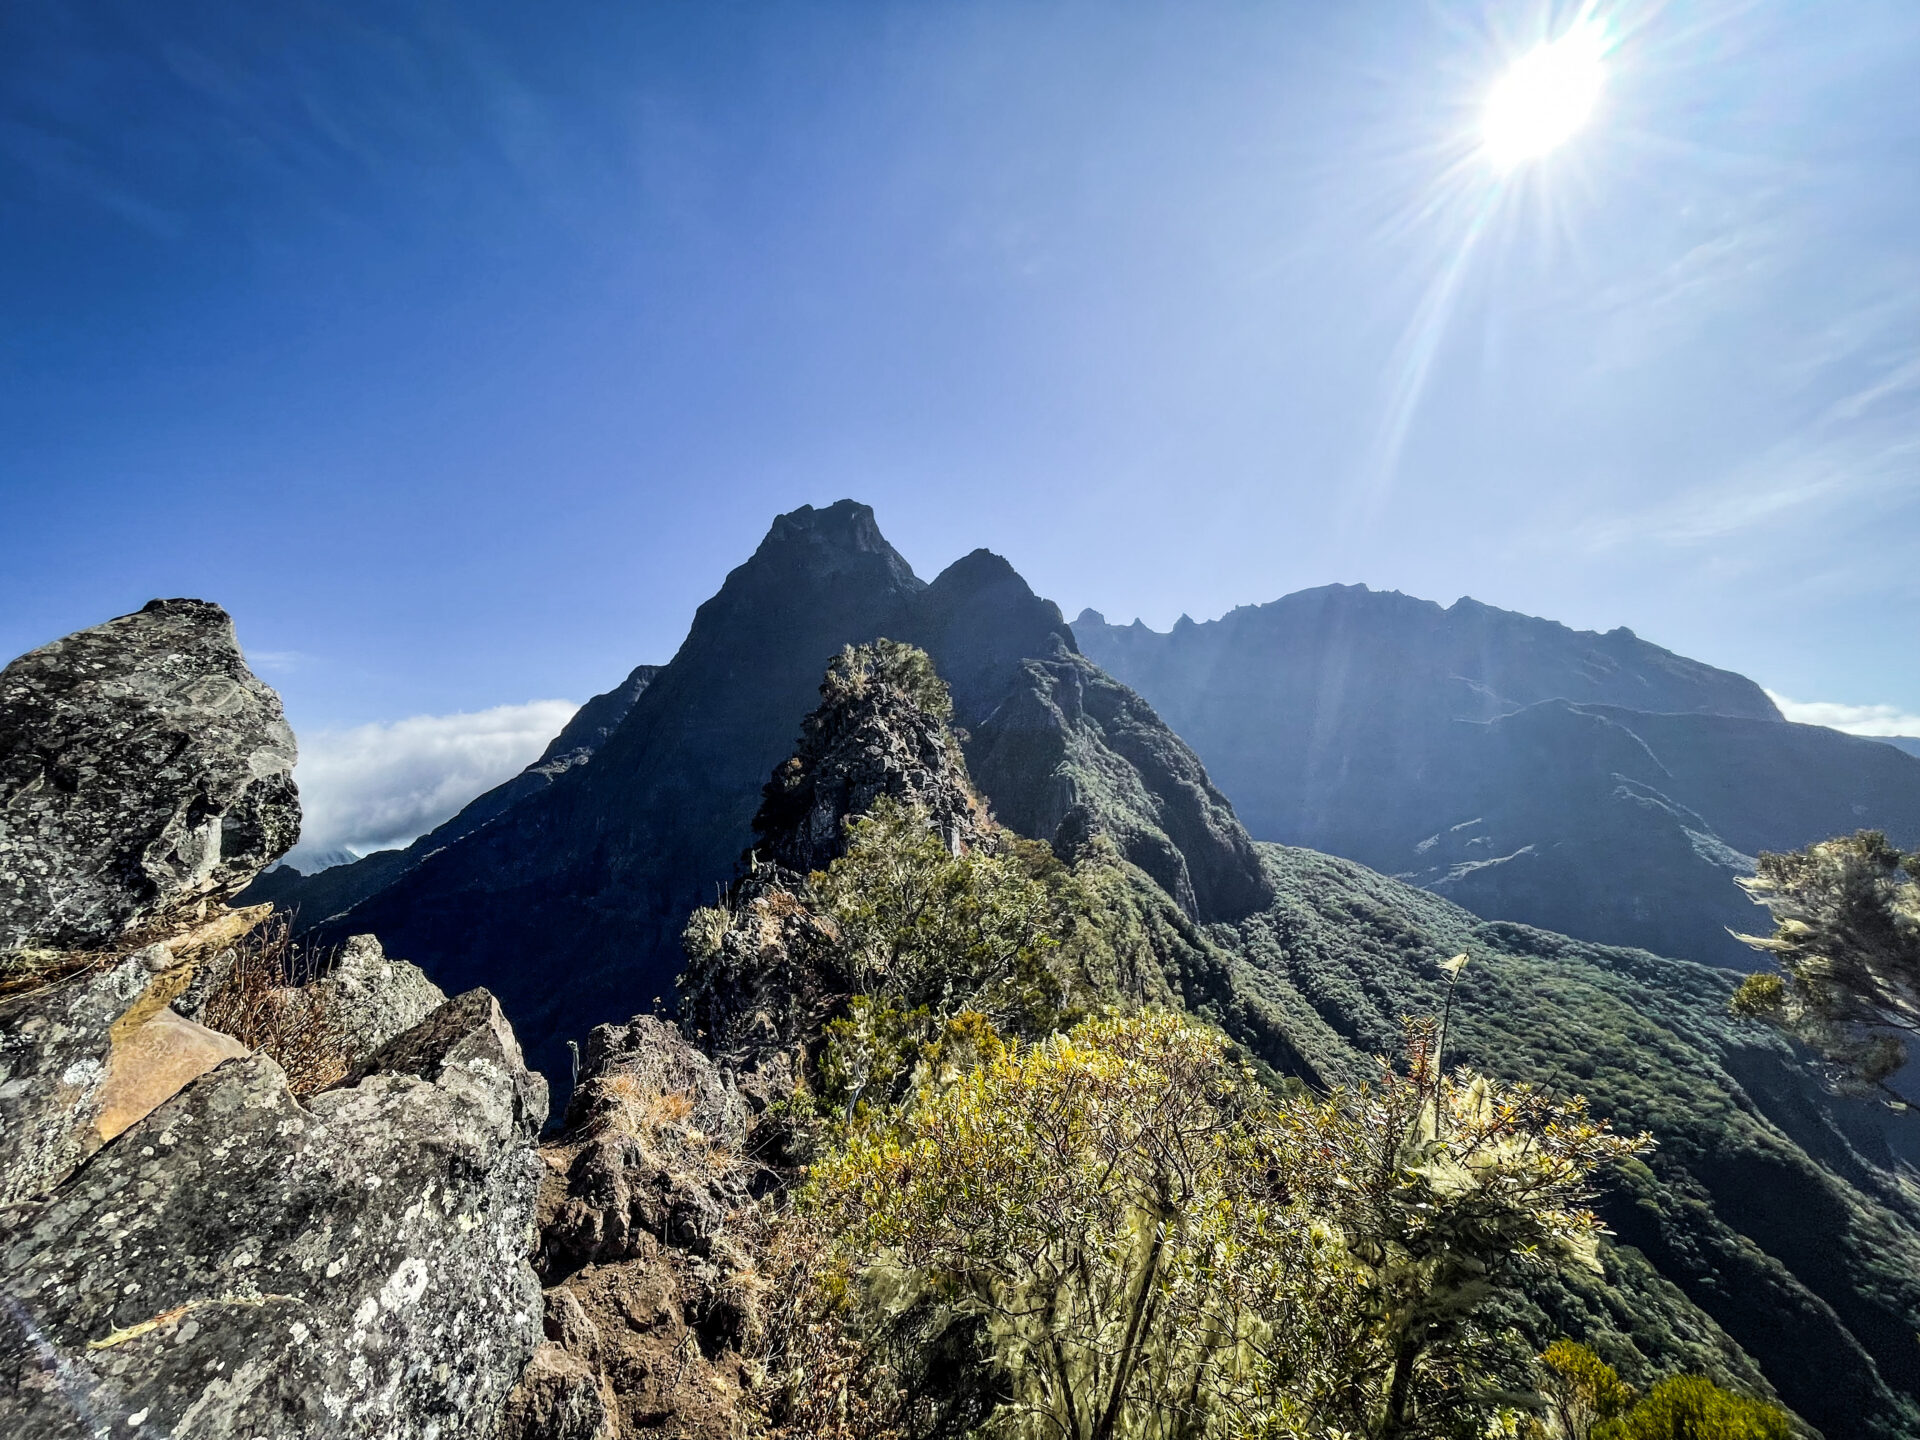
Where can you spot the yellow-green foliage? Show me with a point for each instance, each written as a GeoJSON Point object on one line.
{"type": "Point", "coordinates": [1003, 931]}
{"type": "Point", "coordinates": [1128, 1236]}
{"type": "Point", "coordinates": [1692, 1407]}
{"type": "Point", "coordinates": [1586, 1400]}
{"type": "Point", "coordinates": [1582, 1391]}
{"type": "Point", "coordinates": [904, 668]}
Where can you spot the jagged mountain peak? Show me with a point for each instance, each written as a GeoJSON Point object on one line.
{"type": "Point", "coordinates": [832, 537]}
{"type": "Point", "coordinates": [1316, 646]}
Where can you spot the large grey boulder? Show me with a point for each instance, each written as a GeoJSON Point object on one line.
{"type": "Point", "coordinates": [373, 997]}
{"type": "Point", "coordinates": [239, 1264]}
{"type": "Point", "coordinates": [143, 767]}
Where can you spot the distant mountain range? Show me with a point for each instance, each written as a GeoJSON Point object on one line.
{"type": "Point", "coordinates": [1593, 784]}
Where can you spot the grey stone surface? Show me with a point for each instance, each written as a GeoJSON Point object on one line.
{"type": "Point", "coordinates": [239, 1264]}
{"type": "Point", "coordinates": [56, 1044]}
{"type": "Point", "coordinates": [142, 767]}
{"type": "Point", "coordinates": [374, 998]}
{"type": "Point", "coordinates": [652, 1054]}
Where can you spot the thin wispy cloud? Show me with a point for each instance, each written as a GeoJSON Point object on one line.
{"type": "Point", "coordinates": [1854, 719]}
{"type": "Point", "coordinates": [1782, 486]}
{"type": "Point", "coordinates": [375, 787]}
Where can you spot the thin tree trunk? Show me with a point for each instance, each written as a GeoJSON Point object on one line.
{"type": "Point", "coordinates": [1400, 1392]}
{"type": "Point", "coordinates": [1136, 1323]}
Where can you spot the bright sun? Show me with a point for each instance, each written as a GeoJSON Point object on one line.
{"type": "Point", "coordinates": [1545, 97]}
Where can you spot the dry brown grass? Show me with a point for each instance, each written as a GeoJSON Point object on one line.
{"type": "Point", "coordinates": [267, 1002]}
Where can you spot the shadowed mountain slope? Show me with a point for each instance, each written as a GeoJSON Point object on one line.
{"type": "Point", "coordinates": [1593, 784]}
{"type": "Point", "coordinates": [340, 887]}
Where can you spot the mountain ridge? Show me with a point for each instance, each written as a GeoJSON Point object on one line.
{"type": "Point", "coordinates": [1593, 784]}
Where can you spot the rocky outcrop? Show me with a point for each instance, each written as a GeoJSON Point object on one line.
{"type": "Point", "coordinates": [56, 1045]}
{"type": "Point", "coordinates": [372, 998]}
{"type": "Point", "coordinates": [240, 1264]}
{"type": "Point", "coordinates": [870, 739]}
{"type": "Point", "coordinates": [649, 1238]}
{"type": "Point", "coordinates": [187, 1245]}
{"type": "Point", "coordinates": [143, 769]}
{"type": "Point", "coordinates": [763, 971]}
{"type": "Point", "coordinates": [91, 1041]}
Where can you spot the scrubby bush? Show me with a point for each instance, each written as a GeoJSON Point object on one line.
{"type": "Point", "coordinates": [267, 1001]}
{"type": "Point", "coordinates": [1128, 1236]}
{"type": "Point", "coordinates": [1846, 940]}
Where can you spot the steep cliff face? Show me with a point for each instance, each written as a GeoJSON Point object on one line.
{"type": "Point", "coordinates": [1594, 784]}
{"type": "Point", "coordinates": [340, 887]}
{"type": "Point", "coordinates": [569, 903]}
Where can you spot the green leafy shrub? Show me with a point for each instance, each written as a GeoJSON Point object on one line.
{"type": "Point", "coordinates": [1582, 1391]}
{"type": "Point", "coordinates": [1692, 1407]}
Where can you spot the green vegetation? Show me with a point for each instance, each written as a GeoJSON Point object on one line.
{"type": "Point", "coordinates": [923, 928]}
{"type": "Point", "coordinates": [991, 1241]}
{"type": "Point", "coordinates": [1587, 1400]}
{"type": "Point", "coordinates": [1037, 1208]}
{"type": "Point", "coordinates": [1134, 1237]}
{"type": "Point", "coordinates": [1736, 1248]}
{"type": "Point", "coordinates": [905, 668]}
{"type": "Point", "coordinates": [1583, 1392]}
{"type": "Point", "coordinates": [1846, 940]}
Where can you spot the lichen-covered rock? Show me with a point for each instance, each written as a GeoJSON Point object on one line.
{"type": "Point", "coordinates": [649, 1055]}
{"type": "Point", "coordinates": [56, 1044]}
{"type": "Point", "coordinates": [143, 767]}
{"type": "Point", "coordinates": [372, 997]}
{"type": "Point", "coordinates": [240, 1264]}
{"type": "Point", "coordinates": [656, 1139]}
{"type": "Point", "coordinates": [158, 1059]}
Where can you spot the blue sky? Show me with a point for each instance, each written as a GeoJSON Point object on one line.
{"type": "Point", "coordinates": [460, 349]}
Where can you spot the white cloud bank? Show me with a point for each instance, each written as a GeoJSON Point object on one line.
{"type": "Point", "coordinates": [1854, 719]}
{"type": "Point", "coordinates": [378, 786]}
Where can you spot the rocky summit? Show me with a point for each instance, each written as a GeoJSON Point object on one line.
{"type": "Point", "coordinates": [143, 768]}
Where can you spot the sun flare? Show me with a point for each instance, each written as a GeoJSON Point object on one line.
{"type": "Point", "coordinates": [1546, 97]}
